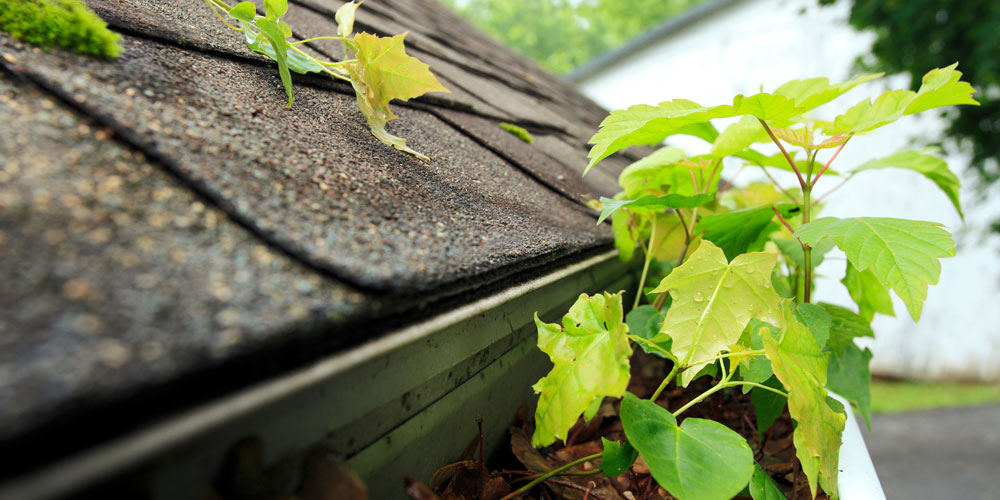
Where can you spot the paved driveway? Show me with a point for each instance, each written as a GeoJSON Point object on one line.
{"type": "Point", "coordinates": [950, 454]}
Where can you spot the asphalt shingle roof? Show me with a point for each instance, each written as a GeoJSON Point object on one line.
{"type": "Point", "coordinates": [170, 232]}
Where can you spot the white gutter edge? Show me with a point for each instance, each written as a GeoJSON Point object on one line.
{"type": "Point", "coordinates": [857, 479]}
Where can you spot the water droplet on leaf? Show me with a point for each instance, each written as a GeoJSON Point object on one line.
{"type": "Point", "coordinates": [698, 297]}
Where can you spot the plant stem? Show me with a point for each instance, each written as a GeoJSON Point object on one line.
{"type": "Point", "coordinates": [554, 472]}
{"type": "Point", "coordinates": [722, 385]}
{"type": "Point", "coordinates": [806, 249]}
{"type": "Point", "coordinates": [663, 385]}
{"type": "Point", "coordinates": [828, 162]}
{"type": "Point", "coordinates": [802, 182]}
{"type": "Point", "coordinates": [645, 265]}
{"type": "Point", "coordinates": [320, 63]}
{"type": "Point", "coordinates": [319, 38]}
{"type": "Point", "coordinates": [725, 355]}
{"type": "Point", "coordinates": [782, 219]}
{"type": "Point", "coordinates": [652, 344]}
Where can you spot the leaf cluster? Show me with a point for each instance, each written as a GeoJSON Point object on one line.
{"type": "Point", "coordinates": [735, 300]}
{"type": "Point", "coordinates": [378, 68]}
{"type": "Point", "coordinates": [69, 24]}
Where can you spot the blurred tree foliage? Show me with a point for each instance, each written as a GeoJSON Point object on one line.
{"type": "Point", "coordinates": [913, 36]}
{"type": "Point", "coordinates": [564, 34]}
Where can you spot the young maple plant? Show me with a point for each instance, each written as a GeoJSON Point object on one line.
{"type": "Point", "coordinates": [378, 68]}
{"type": "Point", "coordinates": [735, 303]}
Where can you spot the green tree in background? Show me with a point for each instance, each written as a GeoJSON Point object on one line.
{"type": "Point", "coordinates": [564, 34]}
{"type": "Point", "coordinates": [913, 35]}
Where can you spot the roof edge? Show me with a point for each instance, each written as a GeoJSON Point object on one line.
{"type": "Point", "coordinates": [666, 29]}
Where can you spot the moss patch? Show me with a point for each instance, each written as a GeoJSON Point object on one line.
{"type": "Point", "coordinates": [59, 23]}
{"type": "Point", "coordinates": [894, 396]}
{"type": "Point", "coordinates": [518, 132]}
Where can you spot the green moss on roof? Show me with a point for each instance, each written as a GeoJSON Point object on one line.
{"type": "Point", "coordinates": [62, 23]}
{"type": "Point", "coordinates": [519, 132]}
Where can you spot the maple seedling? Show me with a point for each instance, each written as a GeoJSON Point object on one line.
{"type": "Point", "coordinates": [735, 301]}
{"type": "Point", "coordinates": [378, 68]}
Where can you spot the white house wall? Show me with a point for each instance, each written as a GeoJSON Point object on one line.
{"type": "Point", "coordinates": [767, 42]}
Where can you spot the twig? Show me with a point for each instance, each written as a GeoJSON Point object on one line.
{"type": "Point", "coordinates": [828, 162]}
{"type": "Point", "coordinates": [554, 472]}
{"type": "Point", "coordinates": [576, 487]}
{"type": "Point", "coordinates": [802, 182]}
{"type": "Point", "coordinates": [732, 179]}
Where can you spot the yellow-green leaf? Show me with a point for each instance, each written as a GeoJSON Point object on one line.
{"type": "Point", "coordinates": [384, 72]}
{"type": "Point", "coordinates": [591, 352]}
{"type": "Point", "coordinates": [713, 300]}
{"type": "Point", "coordinates": [801, 365]}
{"type": "Point", "coordinates": [345, 18]}
{"type": "Point", "coordinates": [902, 254]}
{"type": "Point", "coordinates": [644, 124]}
{"type": "Point", "coordinates": [932, 167]}
{"type": "Point", "coordinates": [868, 293]}
{"type": "Point", "coordinates": [942, 87]}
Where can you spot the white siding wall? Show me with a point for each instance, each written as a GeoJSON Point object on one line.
{"type": "Point", "coordinates": [766, 42]}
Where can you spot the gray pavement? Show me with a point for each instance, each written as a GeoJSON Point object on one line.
{"type": "Point", "coordinates": [949, 454]}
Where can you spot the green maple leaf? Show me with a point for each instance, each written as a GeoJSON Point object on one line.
{"type": "Point", "coordinates": [810, 93]}
{"type": "Point", "coordinates": [616, 458]}
{"type": "Point", "coordinates": [713, 300]}
{"type": "Point", "coordinates": [868, 293]}
{"type": "Point", "coordinates": [645, 124]}
{"type": "Point", "coordinates": [654, 203]}
{"type": "Point", "coordinates": [650, 173]}
{"type": "Point", "coordinates": [801, 365]}
{"type": "Point", "coordinates": [902, 254]}
{"type": "Point", "coordinates": [941, 87]}
{"type": "Point", "coordinates": [697, 460]}
{"type": "Point", "coordinates": [845, 326]}
{"type": "Point", "coordinates": [590, 351]}
{"type": "Point", "coordinates": [930, 166]}
{"type": "Point", "coordinates": [741, 230]}
{"type": "Point", "coordinates": [739, 136]}
{"type": "Point", "coordinates": [384, 72]}
{"type": "Point", "coordinates": [849, 376]}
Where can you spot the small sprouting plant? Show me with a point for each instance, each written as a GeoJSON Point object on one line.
{"type": "Point", "coordinates": [519, 132]}
{"type": "Point", "coordinates": [377, 67]}
{"type": "Point", "coordinates": [69, 24]}
{"type": "Point", "coordinates": [735, 301]}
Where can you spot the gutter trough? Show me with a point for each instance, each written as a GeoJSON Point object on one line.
{"type": "Point", "coordinates": [403, 404]}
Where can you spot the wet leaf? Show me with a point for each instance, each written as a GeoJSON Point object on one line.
{"type": "Point", "coordinates": [801, 365]}
{"type": "Point", "coordinates": [698, 460]}
{"type": "Point", "coordinates": [384, 72]}
{"type": "Point", "coordinates": [591, 353]}
{"type": "Point", "coordinates": [713, 300]}
{"type": "Point", "coordinates": [739, 136]}
{"type": "Point", "coordinates": [616, 458]}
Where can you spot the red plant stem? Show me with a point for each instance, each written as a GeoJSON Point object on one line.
{"type": "Point", "coordinates": [802, 182]}
{"type": "Point", "coordinates": [782, 219]}
{"type": "Point", "coordinates": [828, 162]}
